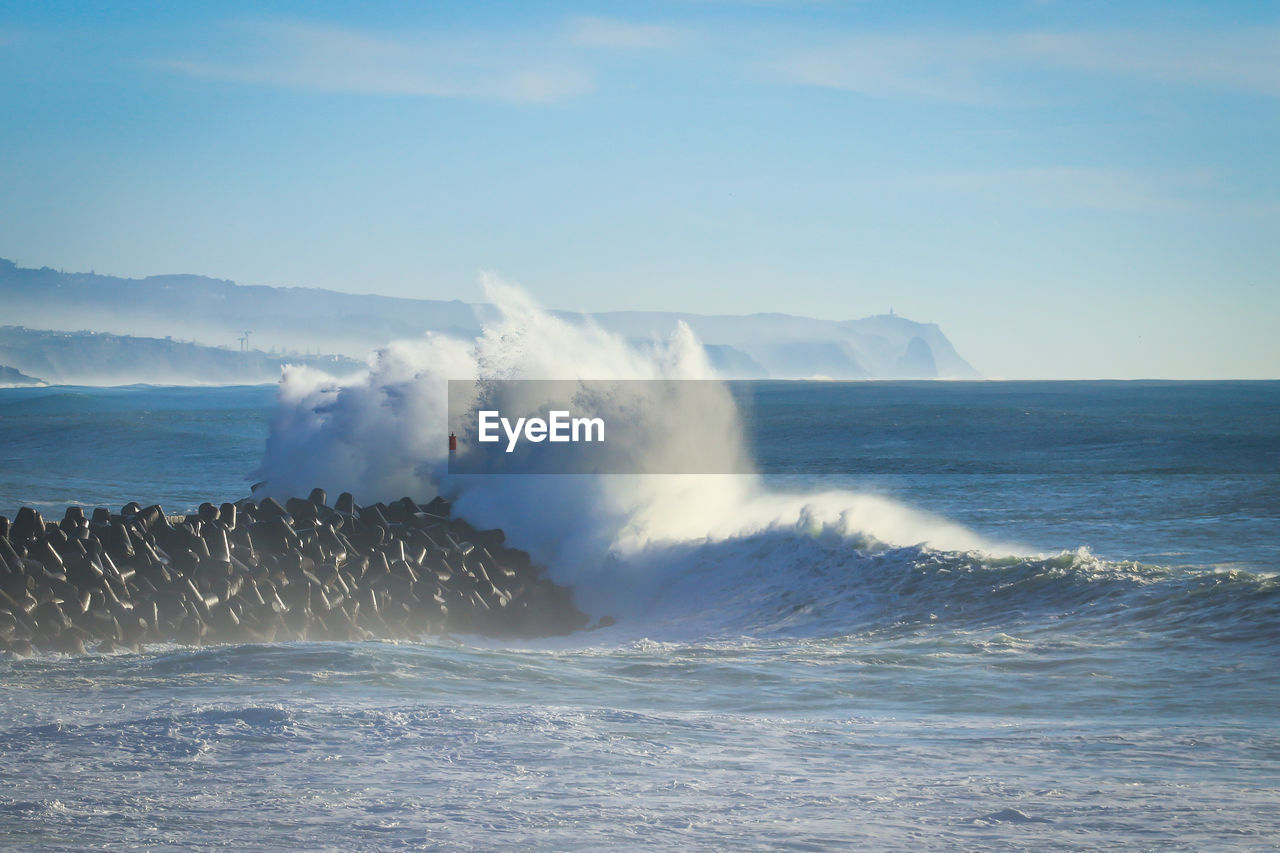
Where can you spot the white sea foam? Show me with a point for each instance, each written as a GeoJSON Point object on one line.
{"type": "Point", "coordinates": [384, 435]}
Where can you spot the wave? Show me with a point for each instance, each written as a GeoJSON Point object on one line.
{"type": "Point", "coordinates": [709, 554]}
{"type": "Point", "coordinates": [789, 584]}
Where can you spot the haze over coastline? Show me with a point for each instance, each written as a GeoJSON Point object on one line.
{"type": "Point", "coordinates": [320, 327]}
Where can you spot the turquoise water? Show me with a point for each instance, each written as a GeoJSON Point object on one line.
{"type": "Point", "coordinates": [1108, 683]}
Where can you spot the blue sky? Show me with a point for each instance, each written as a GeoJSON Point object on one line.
{"type": "Point", "coordinates": [1069, 189]}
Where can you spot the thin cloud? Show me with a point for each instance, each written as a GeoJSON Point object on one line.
{"type": "Point", "coordinates": [1245, 60]}
{"type": "Point", "coordinates": [1083, 187]}
{"type": "Point", "coordinates": [319, 58]}
{"type": "Point", "coordinates": [622, 35]}
{"type": "Point", "coordinates": [946, 68]}
{"type": "Point", "coordinates": [985, 68]}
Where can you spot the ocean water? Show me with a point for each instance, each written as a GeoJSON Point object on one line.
{"type": "Point", "coordinates": [1081, 655]}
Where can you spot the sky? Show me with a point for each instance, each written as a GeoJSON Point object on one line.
{"type": "Point", "coordinates": [1068, 189]}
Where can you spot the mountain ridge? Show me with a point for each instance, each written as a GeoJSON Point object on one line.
{"type": "Point", "coordinates": [44, 356]}
{"type": "Point", "coordinates": [220, 312]}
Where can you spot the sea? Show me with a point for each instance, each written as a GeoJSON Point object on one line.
{"type": "Point", "coordinates": [1086, 656]}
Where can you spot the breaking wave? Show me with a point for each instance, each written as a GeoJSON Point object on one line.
{"type": "Point", "coordinates": [716, 553]}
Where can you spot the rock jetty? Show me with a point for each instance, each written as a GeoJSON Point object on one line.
{"type": "Point", "coordinates": [262, 571]}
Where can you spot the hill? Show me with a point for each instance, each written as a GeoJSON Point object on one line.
{"type": "Point", "coordinates": [12, 378]}
{"type": "Point", "coordinates": [96, 358]}
{"type": "Point", "coordinates": [222, 313]}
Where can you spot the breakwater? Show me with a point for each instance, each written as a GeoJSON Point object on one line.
{"type": "Point", "coordinates": [262, 571]}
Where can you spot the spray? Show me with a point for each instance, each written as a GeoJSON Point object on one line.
{"type": "Point", "coordinates": [384, 435]}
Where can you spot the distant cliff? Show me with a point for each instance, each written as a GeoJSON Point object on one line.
{"type": "Point", "coordinates": [221, 313]}
{"type": "Point", "coordinates": [788, 347]}
{"type": "Point", "coordinates": [218, 313]}
{"type": "Point", "coordinates": [9, 378]}
{"type": "Point", "coordinates": [94, 358]}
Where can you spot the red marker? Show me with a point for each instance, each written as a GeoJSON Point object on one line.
{"type": "Point", "coordinates": [453, 443]}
